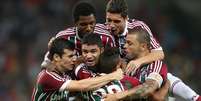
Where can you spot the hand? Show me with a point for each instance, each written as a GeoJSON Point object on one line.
{"type": "Point", "coordinates": [132, 66]}
{"type": "Point", "coordinates": [50, 42]}
{"type": "Point", "coordinates": [117, 75]}
{"type": "Point", "coordinates": [156, 97]}
{"type": "Point", "coordinates": [110, 97]}
{"type": "Point", "coordinates": [160, 94]}
{"type": "Point", "coordinates": [122, 64]}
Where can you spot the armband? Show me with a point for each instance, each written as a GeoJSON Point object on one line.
{"type": "Point", "coordinates": [157, 77]}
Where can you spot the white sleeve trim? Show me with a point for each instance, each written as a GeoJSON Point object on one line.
{"type": "Point", "coordinates": [78, 68]}
{"type": "Point", "coordinates": [159, 48]}
{"type": "Point", "coordinates": [157, 77]}
{"type": "Point", "coordinates": [65, 85]}
{"type": "Point", "coordinates": [46, 60]}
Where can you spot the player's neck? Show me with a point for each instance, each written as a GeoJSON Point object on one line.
{"type": "Point", "coordinates": [55, 67]}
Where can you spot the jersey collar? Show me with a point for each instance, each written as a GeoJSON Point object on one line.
{"type": "Point", "coordinates": [77, 35]}
{"type": "Point", "coordinates": [125, 30]}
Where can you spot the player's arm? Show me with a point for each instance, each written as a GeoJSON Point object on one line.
{"type": "Point", "coordinates": [153, 82]}
{"type": "Point", "coordinates": [134, 93]}
{"type": "Point", "coordinates": [150, 57]}
{"type": "Point", "coordinates": [160, 94]}
{"type": "Point", "coordinates": [92, 83]}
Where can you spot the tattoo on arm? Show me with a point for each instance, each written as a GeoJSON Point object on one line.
{"type": "Point", "coordinates": [144, 89]}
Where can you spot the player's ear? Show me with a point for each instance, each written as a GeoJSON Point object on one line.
{"type": "Point", "coordinates": [144, 46]}
{"type": "Point", "coordinates": [76, 23]}
{"type": "Point", "coordinates": [126, 18]}
{"type": "Point", "coordinates": [56, 57]}
{"type": "Point", "coordinates": [102, 49]}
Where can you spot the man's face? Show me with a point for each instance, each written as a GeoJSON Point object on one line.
{"type": "Point", "coordinates": [86, 24]}
{"type": "Point", "coordinates": [91, 54]}
{"type": "Point", "coordinates": [66, 62]}
{"type": "Point", "coordinates": [132, 47]}
{"type": "Point", "coordinates": [116, 23]}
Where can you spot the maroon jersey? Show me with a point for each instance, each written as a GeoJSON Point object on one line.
{"type": "Point", "coordinates": [157, 66]}
{"type": "Point", "coordinates": [50, 87]}
{"type": "Point", "coordinates": [130, 24]}
{"type": "Point", "coordinates": [82, 72]}
{"type": "Point", "coordinates": [72, 35]}
{"type": "Point", "coordinates": [112, 87]}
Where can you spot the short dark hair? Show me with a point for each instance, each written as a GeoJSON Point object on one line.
{"type": "Point", "coordinates": [83, 9]}
{"type": "Point", "coordinates": [108, 60]}
{"type": "Point", "coordinates": [142, 35]}
{"type": "Point", "coordinates": [58, 46]}
{"type": "Point", "coordinates": [92, 39]}
{"type": "Point", "coordinates": [117, 6]}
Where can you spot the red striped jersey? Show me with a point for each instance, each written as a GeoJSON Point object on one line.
{"type": "Point", "coordinates": [112, 87]}
{"type": "Point", "coordinates": [130, 24]}
{"type": "Point", "coordinates": [72, 35]}
{"type": "Point", "coordinates": [50, 87]}
{"type": "Point", "coordinates": [157, 66]}
{"type": "Point", "coordinates": [82, 72]}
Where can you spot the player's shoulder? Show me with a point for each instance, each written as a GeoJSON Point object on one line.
{"type": "Point", "coordinates": [157, 62]}
{"type": "Point", "coordinates": [101, 29]}
{"type": "Point", "coordinates": [67, 32]}
{"type": "Point", "coordinates": [101, 26]}
{"type": "Point", "coordinates": [80, 68]}
{"type": "Point", "coordinates": [134, 23]}
{"type": "Point", "coordinates": [127, 78]}
{"type": "Point", "coordinates": [46, 76]}
{"type": "Point", "coordinates": [129, 82]}
{"type": "Point", "coordinates": [157, 66]}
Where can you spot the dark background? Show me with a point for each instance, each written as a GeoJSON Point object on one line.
{"type": "Point", "coordinates": [27, 25]}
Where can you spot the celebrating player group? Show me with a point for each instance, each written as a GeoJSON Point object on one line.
{"type": "Point", "coordinates": [117, 60]}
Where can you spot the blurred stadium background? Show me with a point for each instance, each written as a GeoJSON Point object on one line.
{"type": "Point", "coordinates": [27, 25]}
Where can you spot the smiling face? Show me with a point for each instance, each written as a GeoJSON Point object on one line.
{"type": "Point", "coordinates": [91, 54]}
{"type": "Point", "coordinates": [85, 24]}
{"type": "Point", "coordinates": [116, 23]}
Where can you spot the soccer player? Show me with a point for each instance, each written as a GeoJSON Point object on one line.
{"type": "Point", "coordinates": [138, 45]}
{"type": "Point", "coordinates": [54, 84]}
{"type": "Point", "coordinates": [118, 22]}
{"type": "Point", "coordinates": [84, 23]}
{"type": "Point", "coordinates": [108, 59]}
{"type": "Point", "coordinates": [93, 55]}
